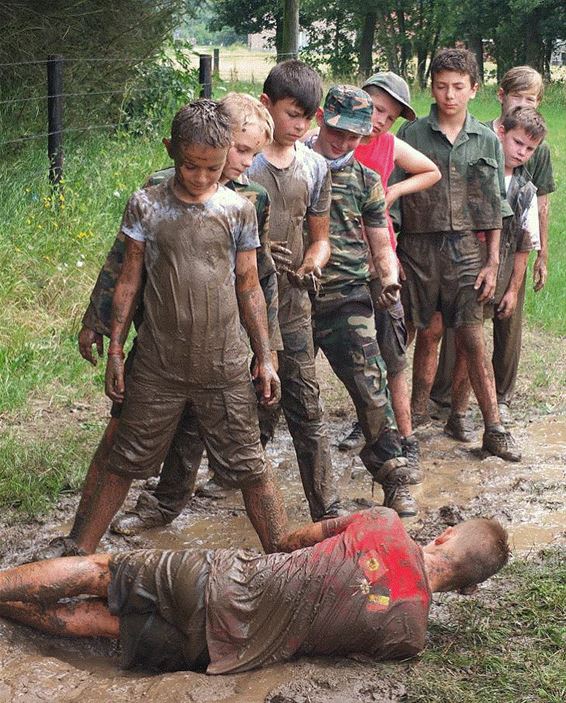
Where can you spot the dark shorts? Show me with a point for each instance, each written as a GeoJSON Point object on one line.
{"type": "Point", "coordinates": [159, 597]}
{"type": "Point", "coordinates": [391, 332]}
{"type": "Point", "coordinates": [226, 418]}
{"type": "Point", "coordinates": [441, 269]}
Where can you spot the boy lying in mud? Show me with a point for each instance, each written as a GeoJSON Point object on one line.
{"type": "Point", "coordinates": [356, 584]}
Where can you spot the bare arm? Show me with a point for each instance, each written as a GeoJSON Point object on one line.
{"type": "Point", "coordinates": [385, 264]}
{"type": "Point", "coordinates": [509, 301]}
{"type": "Point", "coordinates": [314, 532]}
{"type": "Point", "coordinates": [124, 304]}
{"type": "Point", "coordinates": [316, 255]}
{"type": "Point", "coordinates": [424, 172]}
{"type": "Point", "coordinates": [254, 317]}
{"type": "Point", "coordinates": [487, 277]}
{"type": "Point", "coordinates": [540, 271]}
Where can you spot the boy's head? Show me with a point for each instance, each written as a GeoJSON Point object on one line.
{"type": "Point", "coordinates": [391, 98]}
{"type": "Point", "coordinates": [454, 79]}
{"type": "Point", "coordinates": [472, 551]}
{"type": "Point", "coordinates": [521, 86]}
{"type": "Point", "coordinates": [292, 92]}
{"type": "Point", "coordinates": [252, 129]}
{"type": "Point", "coordinates": [345, 119]}
{"type": "Point", "coordinates": [201, 134]}
{"type": "Point", "coordinates": [520, 131]}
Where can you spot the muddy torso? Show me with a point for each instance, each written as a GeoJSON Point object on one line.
{"type": "Point", "coordinates": [363, 591]}
{"type": "Point", "coordinates": [300, 189]}
{"type": "Point", "coordinates": [191, 331]}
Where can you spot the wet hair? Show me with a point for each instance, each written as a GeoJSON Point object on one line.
{"type": "Point", "coordinates": [294, 79]}
{"type": "Point", "coordinates": [526, 118]}
{"type": "Point", "coordinates": [523, 79]}
{"type": "Point", "coordinates": [481, 549]}
{"type": "Point", "coordinates": [246, 110]}
{"type": "Point", "coordinates": [205, 122]}
{"type": "Point", "coordinates": [458, 60]}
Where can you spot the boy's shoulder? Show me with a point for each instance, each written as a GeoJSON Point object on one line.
{"type": "Point", "coordinates": [355, 172]}
{"type": "Point", "coordinates": [228, 198]}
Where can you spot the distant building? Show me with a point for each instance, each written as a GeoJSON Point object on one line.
{"type": "Point", "coordinates": [558, 57]}
{"type": "Point", "coordinates": [265, 41]}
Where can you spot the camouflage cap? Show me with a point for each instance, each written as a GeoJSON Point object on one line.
{"type": "Point", "coordinates": [349, 108]}
{"type": "Point", "coordinates": [397, 88]}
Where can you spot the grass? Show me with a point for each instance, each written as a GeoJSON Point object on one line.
{"type": "Point", "coordinates": [505, 646]}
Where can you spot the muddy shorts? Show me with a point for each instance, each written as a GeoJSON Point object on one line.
{"type": "Point", "coordinates": [441, 269]}
{"type": "Point", "coordinates": [159, 597]}
{"type": "Point", "coordinates": [226, 418]}
{"type": "Point", "coordinates": [391, 332]}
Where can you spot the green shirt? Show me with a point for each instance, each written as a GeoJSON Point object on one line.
{"type": "Point", "coordinates": [471, 193]}
{"type": "Point", "coordinates": [357, 199]}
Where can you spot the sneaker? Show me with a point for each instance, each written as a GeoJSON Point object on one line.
{"type": "Point", "coordinates": [420, 421]}
{"type": "Point", "coordinates": [505, 415]}
{"type": "Point", "coordinates": [59, 547]}
{"type": "Point", "coordinates": [354, 440]}
{"type": "Point", "coordinates": [439, 411]}
{"type": "Point", "coordinates": [412, 453]}
{"type": "Point", "coordinates": [132, 523]}
{"type": "Point", "coordinates": [335, 510]}
{"type": "Point", "coordinates": [460, 427]}
{"type": "Point", "coordinates": [501, 443]}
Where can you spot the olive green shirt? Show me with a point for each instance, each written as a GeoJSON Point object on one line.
{"type": "Point", "coordinates": [471, 193]}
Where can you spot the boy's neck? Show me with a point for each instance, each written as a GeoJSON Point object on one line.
{"type": "Point", "coordinates": [280, 155]}
{"type": "Point", "coordinates": [452, 125]}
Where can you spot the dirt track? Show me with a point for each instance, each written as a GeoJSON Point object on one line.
{"type": "Point", "coordinates": [527, 497]}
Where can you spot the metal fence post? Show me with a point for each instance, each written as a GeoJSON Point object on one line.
{"type": "Point", "coordinates": [205, 75]}
{"type": "Point", "coordinates": [55, 118]}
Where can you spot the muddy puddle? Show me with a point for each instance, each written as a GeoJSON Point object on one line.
{"type": "Point", "coordinates": [528, 498]}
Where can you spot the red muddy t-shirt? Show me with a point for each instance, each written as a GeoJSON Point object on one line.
{"type": "Point", "coordinates": [363, 591]}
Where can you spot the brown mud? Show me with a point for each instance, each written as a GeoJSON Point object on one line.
{"type": "Point", "coordinates": [528, 498]}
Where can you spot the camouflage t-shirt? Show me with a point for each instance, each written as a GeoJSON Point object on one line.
{"type": "Point", "coordinates": [471, 193]}
{"type": "Point", "coordinates": [539, 166]}
{"type": "Point", "coordinates": [357, 200]}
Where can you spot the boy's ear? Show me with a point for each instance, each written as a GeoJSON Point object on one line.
{"type": "Point", "coordinates": [475, 89]}
{"type": "Point", "coordinates": [265, 100]}
{"type": "Point", "coordinates": [444, 536]}
{"type": "Point", "coordinates": [500, 95]}
{"type": "Point", "coordinates": [319, 116]}
{"type": "Point", "coordinates": [167, 144]}
{"type": "Point", "coordinates": [500, 131]}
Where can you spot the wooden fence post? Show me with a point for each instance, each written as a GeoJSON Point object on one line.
{"type": "Point", "coordinates": [216, 69]}
{"type": "Point", "coordinates": [55, 118]}
{"type": "Point", "coordinates": [205, 75]}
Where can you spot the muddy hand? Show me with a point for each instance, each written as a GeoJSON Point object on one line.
{"type": "Point", "coordinates": [267, 383]}
{"type": "Point", "coordinates": [389, 296]}
{"type": "Point", "coordinates": [540, 273]}
{"type": "Point", "coordinates": [306, 276]}
{"type": "Point", "coordinates": [282, 257]}
{"type": "Point", "coordinates": [87, 340]}
{"type": "Point", "coordinates": [114, 381]}
{"type": "Point", "coordinates": [486, 281]}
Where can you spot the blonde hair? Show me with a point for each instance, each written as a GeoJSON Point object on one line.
{"type": "Point", "coordinates": [244, 110]}
{"type": "Point", "coordinates": [523, 79]}
{"type": "Point", "coordinates": [481, 548]}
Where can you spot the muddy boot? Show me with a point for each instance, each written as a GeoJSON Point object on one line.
{"type": "Point", "coordinates": [59, 547]}
{"type": "Point", "coordinates": [505, 415]}
{"type": "Point", "coordinates": [335, 510]}
{"type": "Point", "coordinates": [145, 515]}
{"type": "Point", "coordinates": [420, 421]}
{"type": "Point", "coordinates": [460, 427]}
{"type": "Point", "coordinates": [499, 442]}
{"type": "Point", "coordinates": [212, 489]}
{"type": "Point", "coordinates": [393, 479]}
{"type": "Point", "coordinates": [354, 440]}
{"type": "Point", "coordinates": [412, 453]}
